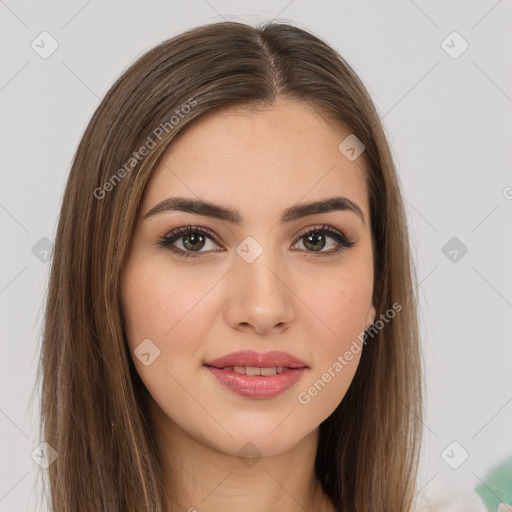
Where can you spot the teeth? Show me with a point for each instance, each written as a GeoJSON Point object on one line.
{"type": "Point", "coordinates": [254, 370]}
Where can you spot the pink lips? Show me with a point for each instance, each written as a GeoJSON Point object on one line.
{"type": "Point", "coordinates": [262, 360]}
{"type": "Point", "coordinates": [257, 386]}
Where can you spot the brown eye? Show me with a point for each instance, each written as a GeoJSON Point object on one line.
{"type": "Point", "coordinates": [314, 240]}
{"type": "Point", "coordinates": [192, 239]}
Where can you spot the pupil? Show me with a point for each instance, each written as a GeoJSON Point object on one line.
{"type": "Point", "coordinates": [314, 239]}
{"type": "Point", "coordinates": [195, 240]}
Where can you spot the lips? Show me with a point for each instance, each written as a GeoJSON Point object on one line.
{"type": "Point", "coordinates": [252, 360]}
{"type": "Point", "coordinates": [257, 375]}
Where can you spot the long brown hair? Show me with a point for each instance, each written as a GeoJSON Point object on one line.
{"type": "Point", "coordinates": [93, 402]}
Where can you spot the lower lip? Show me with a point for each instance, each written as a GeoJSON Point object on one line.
{"type": "Point", "coordinates": [257, 386]}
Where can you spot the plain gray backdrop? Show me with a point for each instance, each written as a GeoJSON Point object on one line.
{"type": "Point", "coordinates": [440, 75]}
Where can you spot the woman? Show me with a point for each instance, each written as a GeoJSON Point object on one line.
{"type": "Point", "coordinates": [231, 319]}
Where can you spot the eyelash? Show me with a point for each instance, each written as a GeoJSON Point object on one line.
{"type": "Point", "coordinates": [168, 240]}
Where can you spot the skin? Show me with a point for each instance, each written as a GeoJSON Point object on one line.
{"type": "Point", "coordinates": [291, 298]}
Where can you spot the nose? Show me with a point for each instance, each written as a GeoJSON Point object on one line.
{"type": "Point", "coordinates": [259, 296]}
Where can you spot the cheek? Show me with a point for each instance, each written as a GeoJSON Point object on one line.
{"type": "Point", "coordinates": [171, 307]}
{"type": "Point", "coordinates": [165, 307]}
{"type": "Point", "coordinates": [341, 310]}
{"type": "Point", "coordinates": [340, 306]}
{"type": "Point", "coordinates": [158, 303]}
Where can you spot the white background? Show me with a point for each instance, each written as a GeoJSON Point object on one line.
{"type": "Point", "coordinates": [449, 124]}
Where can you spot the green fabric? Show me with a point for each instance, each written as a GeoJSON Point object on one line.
{"type": "Point", "coordinates": [498, 486]}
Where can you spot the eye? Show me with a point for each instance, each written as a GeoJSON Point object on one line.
{"type": "Point", "coordinates": [191, 238]}
{"type": "Point", "coordinates": [314, 240]}
{"type": "Point", "coordinates": [195, 238]}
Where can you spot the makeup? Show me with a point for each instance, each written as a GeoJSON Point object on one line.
{"type": "Point", "coordinates": [257, 386]}
{"type": "Point", "coordinates": [257, 375]}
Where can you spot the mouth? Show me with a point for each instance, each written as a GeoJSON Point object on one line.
{"type": "Point", "coordinates": [249, 362]}
{"type": "Point", "coordinates": [255, 370]}
{"type": "Point", "coordinates": [255, 375]}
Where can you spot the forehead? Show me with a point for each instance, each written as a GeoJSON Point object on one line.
{"type": "Point", "coordinates": [261, 159]}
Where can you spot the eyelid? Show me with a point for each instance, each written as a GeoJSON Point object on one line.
{"type": "Point", "coordinates": [321, 227]}
{"type": "Point", "coordinates": [183, 230]}
{"type": "Point", "coordinates": [167, 240]}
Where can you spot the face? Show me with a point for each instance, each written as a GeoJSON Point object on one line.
{"type": "Point", "coordinates": [197, 287]}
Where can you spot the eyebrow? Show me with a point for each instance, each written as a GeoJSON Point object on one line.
{"type": "Point", "coordinates": [233, 216]}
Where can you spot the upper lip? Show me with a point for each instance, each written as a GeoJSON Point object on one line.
{"type": "Point", "coordinates": [257, 359]}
